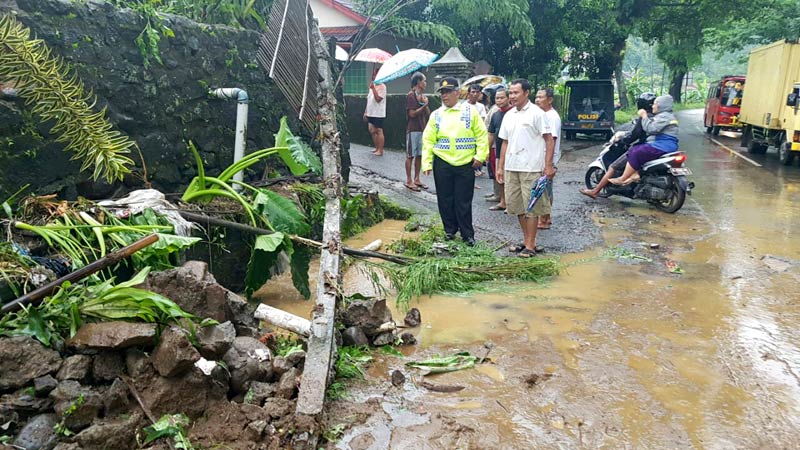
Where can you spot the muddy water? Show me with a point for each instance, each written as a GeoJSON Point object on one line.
{"type": "Point", "coordinates": [618, 353]}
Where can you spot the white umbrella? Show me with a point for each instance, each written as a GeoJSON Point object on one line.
{"type": "Point", "coordinates": [403, 63]}
{"type": "Point", "coordinates": [341, 54]}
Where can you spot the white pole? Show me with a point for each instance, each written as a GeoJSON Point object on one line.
{"type": "Point", "coordinates": [241, 124]}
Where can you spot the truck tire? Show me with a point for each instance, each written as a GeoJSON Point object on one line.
{"type": "Point", "coordinates": [715, 130]}
{"type": "Point", "coordinates": [747, 136]}
{"type": "Point", "coordinates": [755, 147]}
{"type": "Point", "coordinates": [786, 154]}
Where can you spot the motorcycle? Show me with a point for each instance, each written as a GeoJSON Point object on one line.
{"type": "Point", "coordinates": [663, 181]}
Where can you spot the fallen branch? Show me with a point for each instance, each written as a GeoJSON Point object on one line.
{"type": "Point", "coordinates": [206, 220]}
{"type": "Point", "coordinates": [36, 296]}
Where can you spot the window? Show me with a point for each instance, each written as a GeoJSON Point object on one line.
{"type": "Point", "coordinates": [355, 79]}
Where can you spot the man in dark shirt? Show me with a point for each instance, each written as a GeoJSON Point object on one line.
{"type": "Point", "coordinates": [495, 143]}
{"type": "Point", "coordinates": [417, 114]}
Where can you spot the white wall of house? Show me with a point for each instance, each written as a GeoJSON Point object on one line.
{"type": "Point", "coordinates": [329, 17]}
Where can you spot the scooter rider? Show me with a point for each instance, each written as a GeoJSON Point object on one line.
{"type": "Point", "coordinates": [636, 136]}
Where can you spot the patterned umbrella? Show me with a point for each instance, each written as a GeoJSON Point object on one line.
{"type": "Point", "coordinates": [404, 63]}
{"type": "Point", "coordinates": [537, 190]}
{"type": "Point", "coordinates": [482, 81]}
{"type": "Point", "coordinates": [373, 55]}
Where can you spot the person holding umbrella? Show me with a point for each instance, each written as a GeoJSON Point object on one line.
{"type": "Point", "coordinates": [455, 143]}
{"type": "Point", "coordinates": [375, 113]}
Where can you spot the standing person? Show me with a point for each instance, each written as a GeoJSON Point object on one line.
{"type": "Point", "coordinates": [527, 153]}
{"type": "Point", "coordinates": [375, 113]}
{"type": "Point", "coordinates": [501, 101]}
{"type": "Point", "coordinates": [417, 113]}
{"type": "Point", "coordinates": [454, 143]}
{"type": "Point", "coordinates": [544, 99]}
{"type": "Point", "coordinates": [473, 98]}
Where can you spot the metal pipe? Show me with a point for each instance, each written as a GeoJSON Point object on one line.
{"type": "Point", "coordinates": [241, 123]}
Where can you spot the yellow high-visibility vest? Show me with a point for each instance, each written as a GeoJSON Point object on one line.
{"type": "Point", "coordinates": [457, 135]}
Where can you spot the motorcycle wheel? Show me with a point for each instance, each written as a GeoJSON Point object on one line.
{"type": "Point", "coordinates": [593, 177]}
{"type": "Point", "coordinates": [675, 201]}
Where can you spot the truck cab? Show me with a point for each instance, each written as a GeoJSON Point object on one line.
{"type": "Point", "coordinates": [589, 108]}
{"type": "Point", "coordinates": [723, 103]}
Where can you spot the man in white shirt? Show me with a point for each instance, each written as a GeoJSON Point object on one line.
{"type": "Point", "coordinates": [544, 99]}
{"type": "Point", "coordinates": [527, 153]}
{"type": "Point", "coordinates": [375, 113]}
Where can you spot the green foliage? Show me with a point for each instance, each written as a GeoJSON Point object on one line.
{"type": "Point", "coordinates": [281, 212]}
{"type": "Point", "coordinates": [263, 257]}
{"type": "Point", "coordinates": [55, 94]}
{"type": "Point", "coordinates": [761, 22]}
{"type": "Point", "coordinates": [439, 364]}
{"type": "Point", "coordinates": [351, 361]}
{"type": "Point", "coordinates": [285, 346]}
{"type": "Point", "coordinates": [300, 262]}
{"type": "Point", "coordinates": [334, 433]}
{"type": "Point", "coordinates": [59, 316]}
{"type": "Point", "coordinates": [61, 428]}
{"type": "Point", "coordinates": [171, 426]}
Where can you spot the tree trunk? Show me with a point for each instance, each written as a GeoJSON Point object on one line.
{"type": "Point", "coordinates": [622, 89]}
{"type": "Point", "coordinates": [676, 83]}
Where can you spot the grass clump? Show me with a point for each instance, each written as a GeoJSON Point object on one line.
{"type": "Point", "coordinates": [350, 364]}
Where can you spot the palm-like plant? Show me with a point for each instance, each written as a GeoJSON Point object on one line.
{"type": "Point", "coordinates": [54, 92]}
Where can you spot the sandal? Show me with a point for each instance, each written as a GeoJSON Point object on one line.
{"type": "Point", "coordinates": [496, 208]}
{"type": "Point", "coordinates": [525, 253]}
{"type": "Point", "coordinates": [516, 248]}
{"type": "Point", "coordinates": [412, 187]}
{"type": "Point", "coordinates": [421, 185]}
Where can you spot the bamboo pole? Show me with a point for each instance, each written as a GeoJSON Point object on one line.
{"type": "Point", "coordinates": [283, 319]}
{"type": "Point", "coordinates": [35, 297]}
{"type": "Point", "coordinates": [206, 220]}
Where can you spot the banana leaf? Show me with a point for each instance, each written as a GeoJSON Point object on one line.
{"type": "Point", "coordinates": [443, 364]}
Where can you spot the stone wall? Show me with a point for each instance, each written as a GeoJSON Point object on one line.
{"type": "Point", "coordinates": [161, 108]}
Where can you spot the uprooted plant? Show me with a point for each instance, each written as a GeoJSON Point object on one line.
{"type": "Point", "coordinates": [265, 208]}
{"type": "Point", "coordinates": [59, 316]}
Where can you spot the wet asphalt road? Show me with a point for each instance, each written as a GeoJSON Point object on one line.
{"type": "Point", "coordinates": [627, 353]}
{"type": "Point", "coordinates": [573, 229]}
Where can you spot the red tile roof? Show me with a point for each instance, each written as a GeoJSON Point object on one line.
{"type": "Point", "coordinates": [341, 34]}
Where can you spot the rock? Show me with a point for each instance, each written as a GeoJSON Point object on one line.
{"type": "Point", "coordinates": [398, 379]}
{"type": "Point", "coordinates": [197, 292]}
{"type": "Point", "coordinates": [287, 386]}
{"type": "Point", "coordinates": [408, 339]}
{"type": "Point", "coordinates": [76, 367]}
{"type": "Point", "coordinates": [107, 366]}
{"type": "Point", "coordinates": [21, 405]}
{"type": "Point", "coordinates": [113, 335]}
{"type": "Point", "coordinates": [296, 358]}
{"type": "Point", "coordinates": [215, 340]}
{"type": "Point", "coordinates": [366, 314]}
{"type": "Point", "coordinates": [387, 338]}
{"type": "Point", "coordinates": [43, 385]}
{"type": "Point", "coordinates": [174, 354]}
{"type": "Point", "coordinates": [22, 359]}
{"type": "Point", "coordinates": [280, 365]}
{"type": "Point", "coordinates": [114, 434]}
{"type": "Point", "coordinates": [38, 433]}
{"type": "Point", "coordinates": [137, 363]}
{"type": "Point", "coordinates": [278, 407]}
{"type": "Point", "coordinates": [256, 429]}
{"type": "Point", "coordinates": [258, 392]}
{"type": "Point", "coordinates": [83, 403]}
{"type": "Point", "coordinates": [354, 337]}
{"type": "Point", "coordinates": [413, 318]}
{"type": "Point", "coordinates": [67, 446]}
{"type": "Point", "coordinates": [247, 360]}
{"type": "Point", "coordinates": [116, 399]}
{"type": "Point", "coordinates": [190, 393]}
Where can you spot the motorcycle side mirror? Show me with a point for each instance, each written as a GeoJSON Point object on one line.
{"type": "Point", "coordinates": [791, 99]}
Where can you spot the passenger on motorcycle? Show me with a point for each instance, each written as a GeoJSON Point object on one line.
{"type": "Point", "coordinates": [662, 138]}
{"type": "Point", "coordinates": [636, 136]}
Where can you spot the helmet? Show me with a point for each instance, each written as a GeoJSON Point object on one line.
{"type": "Point", "coordinates": [645, 101]}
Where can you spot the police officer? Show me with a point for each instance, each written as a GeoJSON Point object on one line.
{"type": "Point", "coordinates": [454, 144]}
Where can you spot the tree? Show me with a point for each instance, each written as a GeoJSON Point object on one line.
{"type": "Point", "coordinates": [764, 21]}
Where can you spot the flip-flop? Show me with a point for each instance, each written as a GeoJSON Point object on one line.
{"type": "Point", "coordinates": [412, 188]}
{"type": "Point", "coordinates": [421, 185]}
{"type": "Point", "coordinates": [516, 248]}
{"type": "Point", "coordinates": [496, 208]}
{"type": "Point", "coordinates": [545, 227]}
{"type": "Point", "coordinates": [525, 253]}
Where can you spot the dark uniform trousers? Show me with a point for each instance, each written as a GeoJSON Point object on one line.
{"type": "Point", "coordinates": [455, 186]}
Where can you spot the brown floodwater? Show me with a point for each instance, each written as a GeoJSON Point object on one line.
{"type": "Point", "coordinates": [615, 352]}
